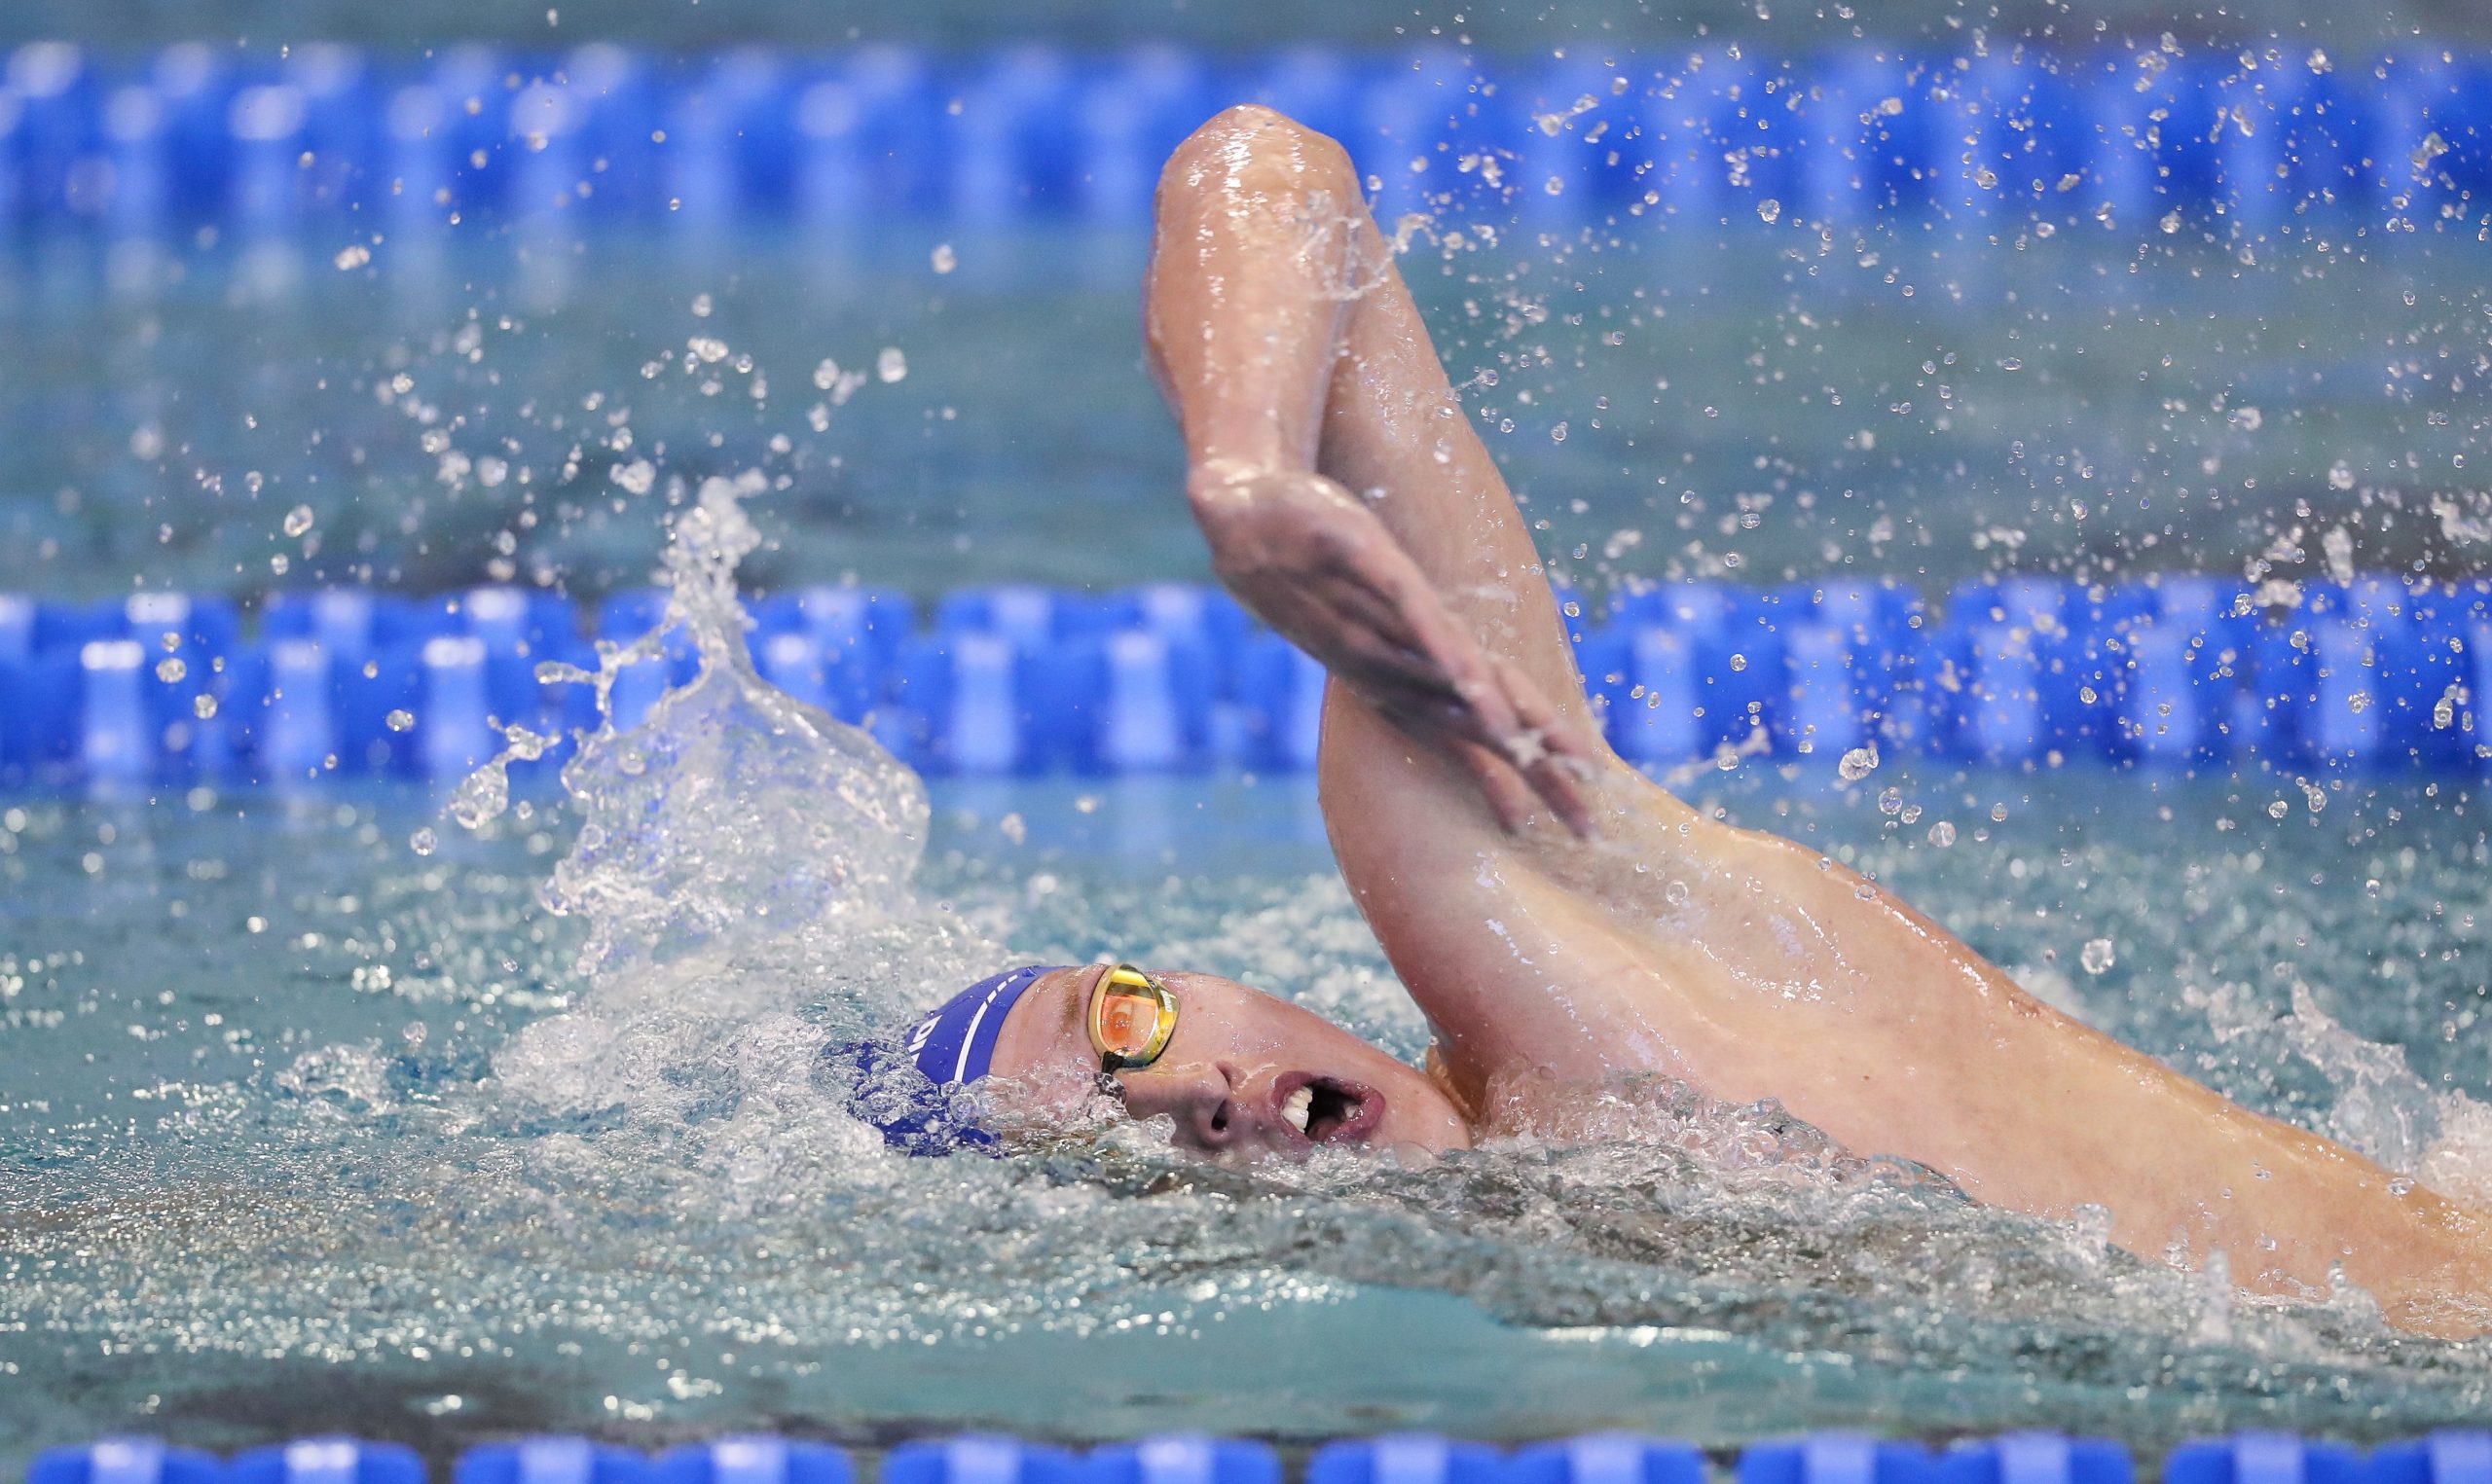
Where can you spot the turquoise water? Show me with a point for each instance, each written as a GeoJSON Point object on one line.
{"type": "Point", "coordinates": [330, 1112]}
{"type": "Point", "coordinates": [268, 1161]}
{"type": "Point", "coordinates": [1733, 404]}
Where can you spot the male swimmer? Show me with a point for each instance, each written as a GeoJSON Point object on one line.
{"type": "Point", "coordinates": [1562, 920]}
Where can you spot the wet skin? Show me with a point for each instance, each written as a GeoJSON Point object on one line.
{"type": "Point", "coordinates": [1561, 919]}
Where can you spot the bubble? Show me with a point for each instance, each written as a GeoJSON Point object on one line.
{"type": "Point", "coordinates": [890, 365]}
{"type": "Point", "coordinates": [399, 720]}
{"type": "Point", "coordinates": [2171, 222]}
{"type": "Point", "coordinates": [1942, 834]}
{"type": "Point", "coordinates": [203, 706]}
{"type": "Point", "coordinates": [1998, 814]}
{"type": "Point", "coordinates": [2097, 955]}
{"type": "Point", "coordinates": [299, 519]}
{"type": "Point", "coordinates": [1769, 210]}
{"type": "Point", "coordinates": [1890, 801]}
{"type": "Point", "coordinates": [170, 669]}
{"type": "Point", "coordinates": [353, 256]}
{"type": "Point", "coordinates": [2277, 809]}
{"type": "Point", "coordinates": [423, 842]}
{"type": "Point", "coordinates": [945, 259]}
{"type": "Point", "coordinates": [1676, 893]}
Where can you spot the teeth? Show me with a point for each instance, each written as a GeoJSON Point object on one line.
{"type": "Point", "coordinates": [1295, 1107]}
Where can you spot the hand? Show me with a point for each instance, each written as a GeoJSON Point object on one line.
{"type": "Point", "coordinates": [1313, 562]}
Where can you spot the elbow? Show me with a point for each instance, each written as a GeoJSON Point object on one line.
{"type": "Point", "coordinates": [1248, 149]}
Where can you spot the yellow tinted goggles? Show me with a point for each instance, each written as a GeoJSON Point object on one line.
{"type": "Point", "coordinates": [1132, 1016]}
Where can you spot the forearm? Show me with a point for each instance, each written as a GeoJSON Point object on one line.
{"type": "Point", "coordinates": [1258, 223]}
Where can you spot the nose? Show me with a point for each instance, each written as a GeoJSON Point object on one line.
{"type": "Point", "coordinates": [1203, 1102]}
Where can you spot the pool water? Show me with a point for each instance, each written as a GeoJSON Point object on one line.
{"type": "Point", "coordinates": [458, 412]}
{"type": "Point", "coordinates": [438, 1116]}
{"type": "Point", "coordinates": [318, 1111]}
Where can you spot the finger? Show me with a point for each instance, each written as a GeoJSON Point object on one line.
{"type": "Point", "coordinates": [1503, 789]}
{"type": "Point", "coordinates": [1566, 736]}
{"type": "Point", "coordinates": [1558, 781]}
{"type": "Point", "coordinates": [1551, 754]}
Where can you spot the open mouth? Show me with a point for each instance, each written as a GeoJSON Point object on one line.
{"type": "Point", "coordinates": [1328, 1110]}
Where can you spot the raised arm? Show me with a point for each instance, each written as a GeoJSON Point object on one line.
{"type": "Point", "coordinates": [1266, 288]}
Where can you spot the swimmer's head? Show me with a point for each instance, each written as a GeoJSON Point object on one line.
{"type": "Point", "coordinates": [1242, 1076]}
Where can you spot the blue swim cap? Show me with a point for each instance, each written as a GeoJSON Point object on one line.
{"type": "Point", "coordinates": [951, 1047]}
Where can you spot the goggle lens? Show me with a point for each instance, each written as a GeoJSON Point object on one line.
{"type": "Point", "coordinates": [1131, 1018]}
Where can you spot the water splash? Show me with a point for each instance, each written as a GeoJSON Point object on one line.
{"type": "Point", "coordinates": [743, 866]}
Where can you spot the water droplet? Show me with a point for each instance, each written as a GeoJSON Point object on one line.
{"type": "Point", "coordinates": [398, 721]}
{"type": "Point", "coordinates": [423, 840]}
{"type": "Point", "coordinates": [203, 706]}
{"type": "Point", "coordinates": [890, 365]}
{"type": "Point", "coordinates": [2097, 956]}
{"type": "Point", "coordinates": [945, 259]}
{"type": "Point", "coordinates": [297, 520]}
{"type": "Point", "coordinates": [170, 670]}
{"type": "Point", "coordinates": [1769, 210]}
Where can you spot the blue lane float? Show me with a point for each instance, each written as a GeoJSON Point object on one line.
{"type": "Point", "coordinates": [2264, 1458]}
{"type": "Point", "coordinates": [755, 1458]}
{"type": "Point", "coordinates": [1611, 1458]}
{"type": "Point", "coordinates": [329, 135]}
{"type": "Point", "coordinates": [2170, 674]}
{"type": "Point", "coordinates": [552, 1461]}
{"type": "Point", "coordinates": [980, 1457]}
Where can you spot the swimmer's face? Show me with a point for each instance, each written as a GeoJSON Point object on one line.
{"type": "Point", "coordinates": [1237, 1078]}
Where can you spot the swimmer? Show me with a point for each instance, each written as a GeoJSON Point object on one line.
{"type": "Point", "coordinates": [1562, 919]}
